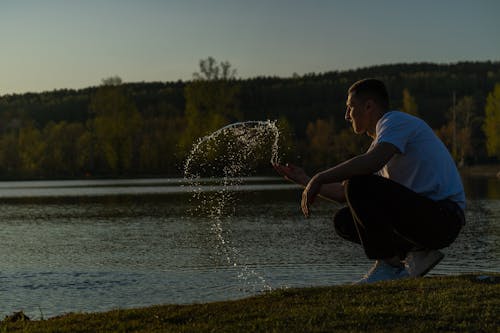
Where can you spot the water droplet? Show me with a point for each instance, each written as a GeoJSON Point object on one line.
{"type": "Point", "coordinates": [230, 153]}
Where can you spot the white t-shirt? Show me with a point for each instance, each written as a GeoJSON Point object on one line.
{"type": "Point", "coordinates": [424, 164]}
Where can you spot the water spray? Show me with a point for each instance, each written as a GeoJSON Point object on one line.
{"type": "Point", "coordinates": [245, 138]}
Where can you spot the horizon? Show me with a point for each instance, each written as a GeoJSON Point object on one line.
{"type": "Point", "coordinates": [253, 77]}
{"type": "Point", "coordinates": [56, 44]}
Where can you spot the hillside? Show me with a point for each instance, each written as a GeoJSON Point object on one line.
{"type": "Point", "coordinates": [162, 134]}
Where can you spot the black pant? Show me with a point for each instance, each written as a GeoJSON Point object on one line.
{"type": "Point", "coordinates": [389, 219]}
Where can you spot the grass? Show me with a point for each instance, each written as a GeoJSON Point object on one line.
{"type": "Point", "coordinates": [445, 304]}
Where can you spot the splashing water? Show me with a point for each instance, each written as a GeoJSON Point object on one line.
{"type": "Point", "coordinates": [246, 137]}
{"type": "Point", "coordinates": [226, 156]}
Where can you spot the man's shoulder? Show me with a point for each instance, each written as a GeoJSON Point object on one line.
{"type": "Point", "coordinates": [395, 119]}
{"type": "Point", "coordinates": [399, 128]}
{"type": "Point", "coordinates": [395, 114]}
{"type": "Point", "coordinates": [400, 120]}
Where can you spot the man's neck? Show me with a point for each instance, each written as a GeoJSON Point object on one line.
{"type": "Point", "coordinates": [372, 129]}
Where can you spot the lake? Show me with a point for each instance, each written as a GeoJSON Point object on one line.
{"type": "Point", "coordinates": [97, 245]}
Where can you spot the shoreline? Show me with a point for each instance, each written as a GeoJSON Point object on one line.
{"type": "Point", "coordinates": [478, 170]}
{"type": "Point", "coordinates": [481, 170]}
{"type": "Point", "coordinates": [466, 303]}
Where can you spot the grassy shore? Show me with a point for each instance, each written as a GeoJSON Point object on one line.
{"type": "Point", "coordinates": [467, 303]}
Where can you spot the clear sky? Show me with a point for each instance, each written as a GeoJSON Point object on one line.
{"type": "Point", "coordinates": [54, 44]}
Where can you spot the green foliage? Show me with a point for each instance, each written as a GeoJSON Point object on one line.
{"type": "Point", "coordinates": [211, 101]}
{"type": "Point", "coordinates": [492, 122]}
{"type": "Point", "coordinates": [30, 149]}
{"type": "Point", "coordinates": [148, 128]}
{"type": "Point", "coordinates": [409, 103]}
{"type": "Point", "coordinates": [64, 140]}
{"type": "Point", "coordinates": [158, 147]}
{"type": "Point", "coordinates": [465, 110]}
{"type": "Point", "coordinates": [444, 304]}
{"type": "Point", "coordinates": [457, 134]}
{"type": "Point", "coordinates": [286, 144]}
{"type": "Point", "coordinates": [116, 127]}
{"type": "Point", "coordinates": [320, 135]}
{"type": "Point", "coordinates": [329, 144]}
{"type": "Point", "coordinates": [9, 154]}
{"type": "Point", "coordinates": [347, 144]}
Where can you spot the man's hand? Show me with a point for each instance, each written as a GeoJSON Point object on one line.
{"type": "Point", "coordinates": [292, 173]}
{"type": "Point", "coordinates": [309, 194]}
{"type": "Point", "coordinates": [332, 192]}
{"type": "Point", "coordinates": [328, 181]}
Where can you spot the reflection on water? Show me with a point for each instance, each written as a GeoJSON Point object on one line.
{"type": "Point", "coordinates": [67, 246]}
{"type": "Point", "coordinates": [98, 188]}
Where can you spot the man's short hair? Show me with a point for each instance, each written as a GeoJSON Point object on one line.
{"type": "Point", "coordinates": [371, 89]}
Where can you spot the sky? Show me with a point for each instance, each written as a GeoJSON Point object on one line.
{"type": "Point", "coordinates": [58, 44]}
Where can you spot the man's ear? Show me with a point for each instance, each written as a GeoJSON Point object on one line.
{"type": "Point", "coordinates": [369, 104]}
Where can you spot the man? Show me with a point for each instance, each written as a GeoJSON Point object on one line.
{"type": "Point", "coordinates": [405, 199]}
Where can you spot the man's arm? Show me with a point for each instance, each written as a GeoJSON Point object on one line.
{"type": "Point", "coordinates": [333, 191]}
{"type": "Point", "coordinates": [365, 164]}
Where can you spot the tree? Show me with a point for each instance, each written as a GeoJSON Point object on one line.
{"type": "Point", "coordinates": [456, 134]}
{"type": "Point", "coordinates": [409, 103]}
{"type": "Point", "coordinates": [285, 141]}
{"type": "Point", "coordinates": [465, 110]}
{"type": "Point", "coordinates": [492, 122]}
{"type": "Point", "coordinates": [85, 151]}
{"type": "Point", "coordinates": [320, 135]}
{"type": "Point", "coordinates": [211, 100]}
{"type": "Point", "coordinates": [62, 152]}
{"type": "Point", "coordinates": [112, 81]}
{"type": "Point", "coordinates": [211, 71]}
{"type": "Point", "coordinates": [116, 127]}
{"type": "Point", "coordinates": [10, 160]}
{"type": "Point", "coordinates": [347, 144]}
{"type": "Point", "coordinates": [31, 150]}
{"type": "Point", "coordinates": [329, 145]}
{"type": "Point", "coordinates": [158, 143]}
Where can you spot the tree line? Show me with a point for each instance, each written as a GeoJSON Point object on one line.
{"type": "Point", "coordinates": [139, 129]}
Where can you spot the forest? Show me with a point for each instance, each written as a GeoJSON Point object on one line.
{"type": "Point", "coordinates": [144, 129]}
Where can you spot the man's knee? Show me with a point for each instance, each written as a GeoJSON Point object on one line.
{"type": "Point", "coordinates": [342, 217]}
{"type": "Point", "coordinates": [357, 185]}
{"type": "Point", "coordinates": [343, 224]}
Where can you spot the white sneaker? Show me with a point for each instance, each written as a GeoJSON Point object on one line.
{"type": "Point", "coordinates": [419, 263]}
{"type": "Point", "coordinates": [382, 271]}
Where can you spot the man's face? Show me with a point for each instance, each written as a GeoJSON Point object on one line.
{"type": "Point", "coordinates": [356, 113]}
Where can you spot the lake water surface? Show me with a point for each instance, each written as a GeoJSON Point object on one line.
{"type": "Point", "coordinates": [86, 246]}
